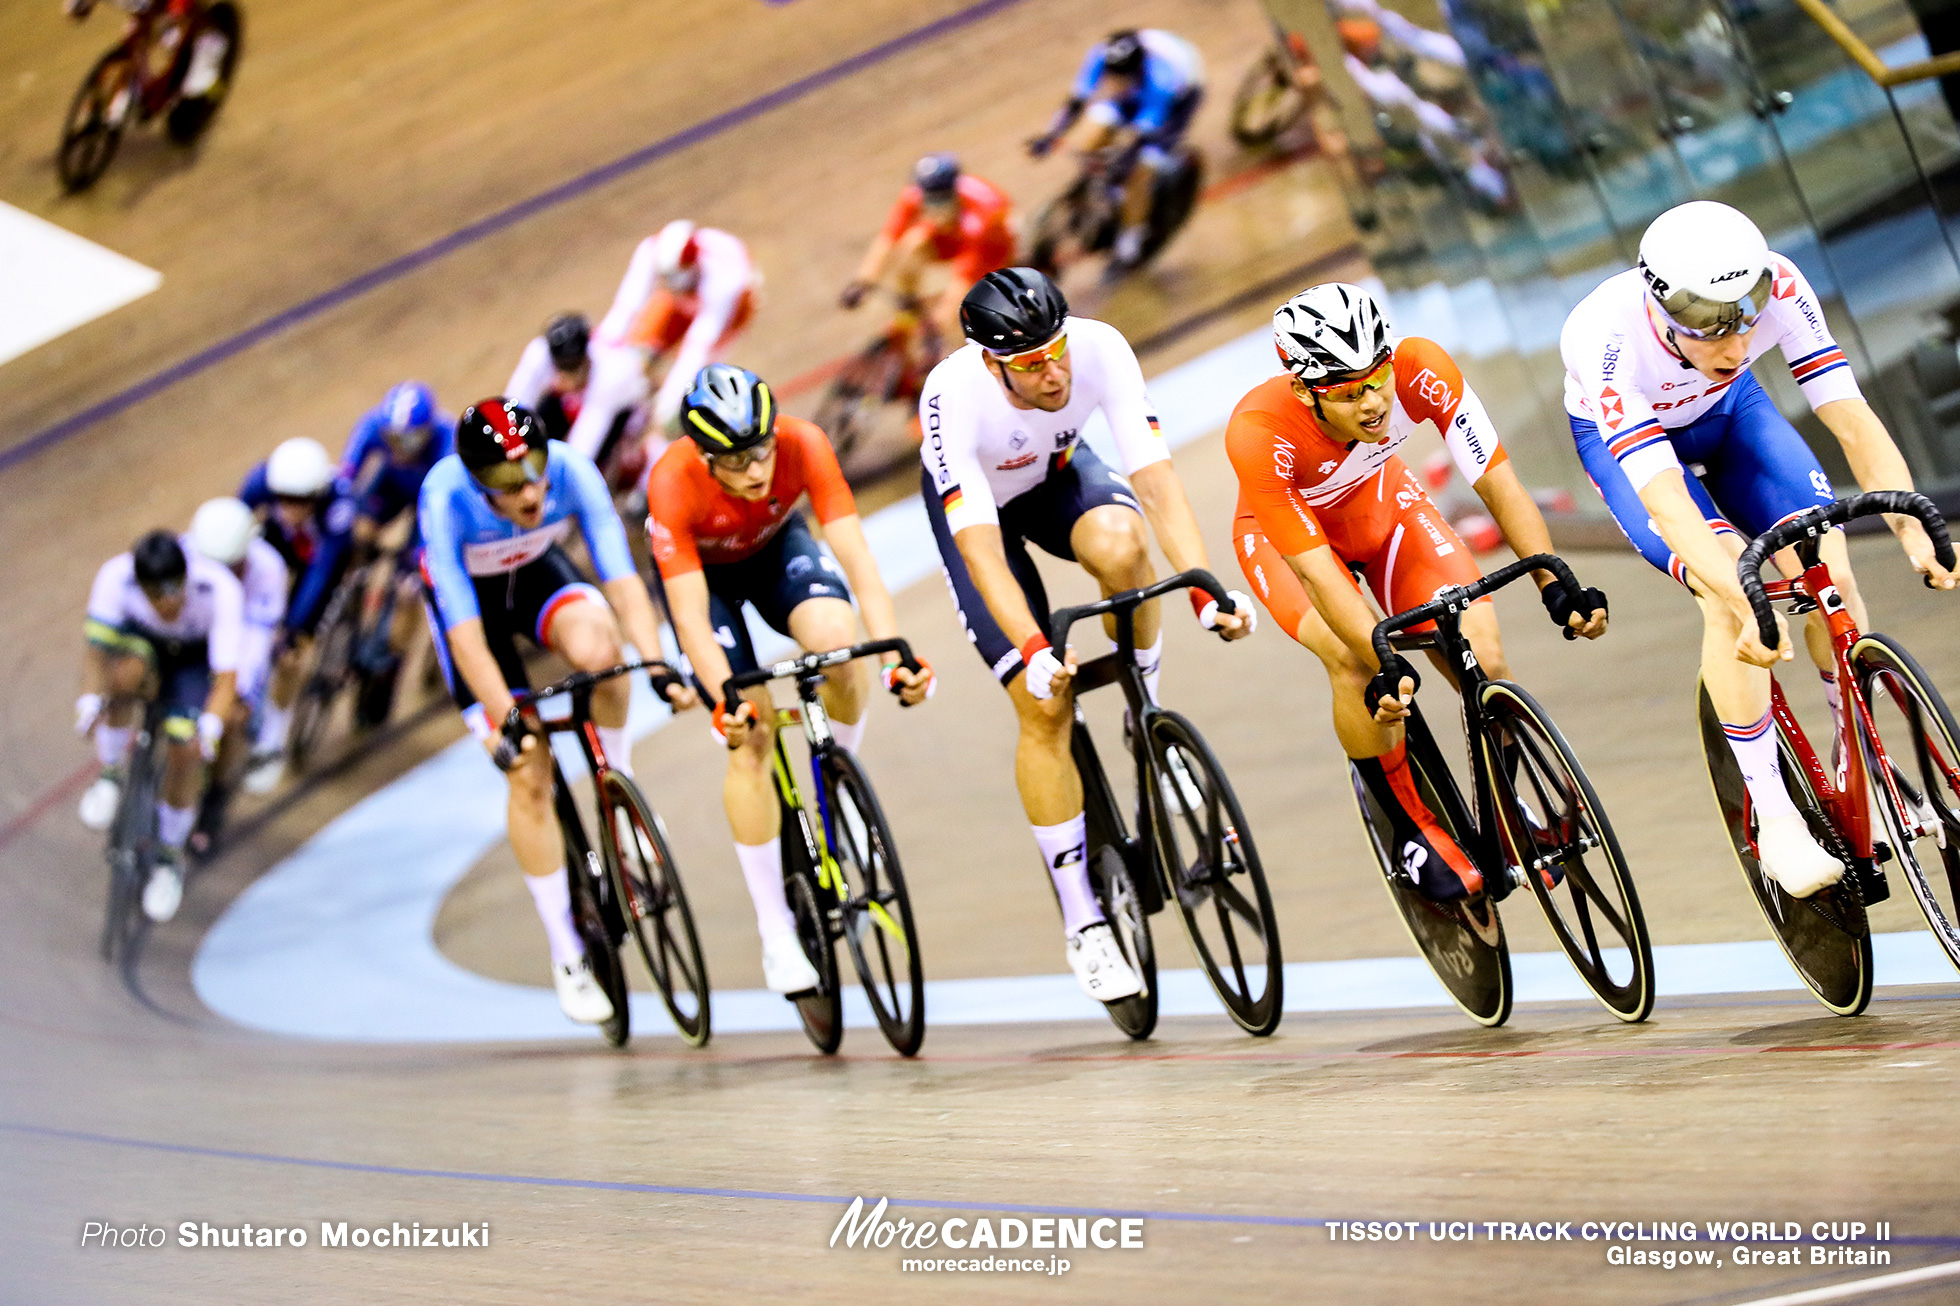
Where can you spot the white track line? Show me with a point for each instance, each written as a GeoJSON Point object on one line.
{"type": "Point", "coordinates": [52, 281]}
{"type": "Point", "coordinates": [1858, 1288]}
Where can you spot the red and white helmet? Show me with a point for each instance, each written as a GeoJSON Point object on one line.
{"type": "Point", "coordinates": [677, 255]}
{"type": "Point", "coordinates": [1330, 330]}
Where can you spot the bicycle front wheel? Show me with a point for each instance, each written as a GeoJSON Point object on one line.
{"type": "Point", "coordinates": [654, 905]}
{"type": "Point", "coordinates": [877, 911]}
{"type": "Point", "coordinates": [333, 671]}
{"type": "Point", "coordinates": [1209, 864]}
{"type": "Point", "coordinates": [132, 849]}
{"type": "Point", "coordinates": [94, 126]}
{"type": "Point", "coordinates": [821, 1009]}
{"type": "Point", "coordinates": [1557, 837]}
{"type": "Point", "coordinates": [1920, 745]}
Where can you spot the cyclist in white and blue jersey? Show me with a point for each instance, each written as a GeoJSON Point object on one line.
{"type": "Point", "coordinates": [493, 517]}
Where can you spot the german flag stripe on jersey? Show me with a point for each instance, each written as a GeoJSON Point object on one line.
{"type": "Point", "coordinates": [1154, 428]}
{"type": "Point", "coordinates": [952, 499]}
{"type": "Point", "coordinates": [1812, 366]}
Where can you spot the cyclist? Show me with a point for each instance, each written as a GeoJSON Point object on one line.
{"type": "Point", "coordinates": [705, 297]}
{"type": "Point", "coordinates": [160, 623]}
{"type": "Point", "coordinates": [207, 51]}
{"type": "Point", "coordinates": [493, 514]}
{"type": "Point", "coordinates": [587, 390]}
{"type": "Point", "coordinates": [1321, 489]}
{"type": "Point", "coordinates": [226, 531]}
{"type": "Point", "coordinates": [1657, 387]}
{"type": "Point", "coordinates": [724, 531]}
{"type": "Point", "coordinates": [309, 518]}
{"type": "Point", "coordinates": [1141, 89]}
{"type": "Point", "coordinates": [944, 216]}
{"type": "Point", "coordinates": [1004, 464]}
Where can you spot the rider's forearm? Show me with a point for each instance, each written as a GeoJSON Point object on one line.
{"type": "Point", "coordinates": [986, 561]}
{"type": "Point", "coordinates": [1337, 600]}
{"type": "Point", "coordinates": [1693, 540]}
{"type": "Point", "coordinates": [687, 603]}
{"type": "Point", "coordinates": [1868, 447]}
{"type": "Point", "coordinates": [1511, 506]}
{"type": "Point", "coordinates": [628, 597]}
{"type": "Point", "coordinates": [471, 656]}
{"type": "Point", "coordinates": [873, 266]}
{"type": "Point", "coordinates": [1162, 495]}
{"type": "Point", "coordinates": [95, 669]}
{"type": "Point", "coordinates": [1064, 117]}
{"type": "Point", "coordinates": [224, 694]}
{"type": "Point", "coordinates": [845, 536]}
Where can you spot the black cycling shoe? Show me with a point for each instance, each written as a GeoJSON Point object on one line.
{"type": "Point", "coordinates": [1430, 871]}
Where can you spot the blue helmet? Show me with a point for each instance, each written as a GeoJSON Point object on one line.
{"type": "Point", "coordinates": [410, 406]}
{"type": "Point", "coordinates": [937, 176]}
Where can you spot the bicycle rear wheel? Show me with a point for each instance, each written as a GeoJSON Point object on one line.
{"type": "Point", "coordinates": [1917, 733]}
{"type": "Point", "coordinates": [94, 126]}
{"type": "Point", "coordinates": [1205, 850]}
{"type": "Point", "coordinates": [1117, 892]}
{"type": "Point", "coordinates": [332, 673]}
{"type": "Point", "coordinates": [821, 1009]}
{"type": "Point", "coordinates": [1553, 826]}
{"type": "Point", "coordinates": [653, 904]}
{"type": "Point", "coordinates": [1463, 942]}
{"type": "Point", "coordinates": [590, 895]}
{"type": "Point", "coordinates": [1826, 936]}
{"type": "Point", "coordinates": [877, 912]}
{"type": "Point", "coordinates": [192, 114]}
{"type": "Point", "coordinates": [1268, 101]}
{"type": "Point", "coordinates": [850, 408]}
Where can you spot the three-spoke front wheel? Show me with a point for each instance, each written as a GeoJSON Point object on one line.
{"type": "Point", "coordinates": [876, 912]}
{"type": "Point", "coordinates": [654, 905]}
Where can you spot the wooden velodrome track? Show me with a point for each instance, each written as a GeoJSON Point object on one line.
{"type": "Point", "coordinates": [361, 135]}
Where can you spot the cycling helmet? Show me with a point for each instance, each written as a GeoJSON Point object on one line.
{"type": "Point", "coordinates": [568, 336]}
{"type": "Point", "coordinates": [492, 432]}
{"type": "Point", "coordinates": [1123, 54]}
{"type": "Point", "coordinates": [937, 176]}
{"type": "Point", "coordinates": [1012, 310]}
{"type": "Point", "coordinates": [410, 406]}
{"type": "Point", "coordinates": [728, 409]}
{"type": "Point", "coordinates": [1329, 332]}
{"type": "Point", "coordinates": [222, 530]}
{"type": "Point", "coordinates": [1708, 267]}
{"type": "Point", "coordinates": [299, 469]}
{"type": "Point", "coordinates": [159, 560]}
{"type": "Point", "coordinates": [675, 252]}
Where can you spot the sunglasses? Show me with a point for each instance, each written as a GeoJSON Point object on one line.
{"type": "Point", "coordinates": [162, 589]}
{"type": "Point", "coordinates": [735, 462]}
{"type": "Point", "coordinates": [510, 477]}
{"type": "Point", "coordinates": [1346, 392]}
{"type": "Point", "coordinates": [1033, 360]}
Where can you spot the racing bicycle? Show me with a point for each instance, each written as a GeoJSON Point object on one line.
{"type": "Point", "coordinates": [1895, 749]}
{"type": "Point", "coordinates": [1271, 99]}
{"type": "Point", "coordinates": [132, 846]}
{"type": "Point", "coordinates": [626, 881]}
{"type": "Point", "coordinates": [1084, 218]}
{"type": "Point", "coordinates": [145, 75]}
{"type": "Point", "coordinates": [1192, 845]}
{"type": "Point", "coordinates": [351, 654]}
{"type": "Point", "coordinates": [840, 864]}
{"type": "Point", "coordinates": [857, 408]}
{"type": "Point", "coordinates": [1531, 818]}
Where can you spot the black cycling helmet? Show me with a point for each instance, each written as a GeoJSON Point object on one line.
{"type": "Point", "coordinates": [495, 433]}
{"type": "Point", "coordinates": [1012, 310]}
{"type": "Point", "coordinates": [728, 409]}
{"type": "Point", "coordinates": [1123, 53]}
{"type": "Point", "coordinates": [159, 560]}
{"type": "Point", "coordinates": [567, 337]}
{"type": "Point", "coordinates": [937, 176]}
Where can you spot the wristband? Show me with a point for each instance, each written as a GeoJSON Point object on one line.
{"type": "Point", "coordinates": [1034, 646]}
{"type": "Point", "coordinates": [1198, 600]}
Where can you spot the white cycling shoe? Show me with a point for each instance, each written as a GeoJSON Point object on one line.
{"type": "Point", "coordinates": [785, 968]}
{"type": "Point", "coordinates": [1099, 965]}
{"type": "Point", "coordinates": [579, 994]}
{"type": "Point", "coordinates": [263, 772]}
{"type": "Point", "coordinates": [99, 802]}
{"type": "Point", "coordinates": [1792, 858]}
{"type": "Point", "coordinates": [165, 891]}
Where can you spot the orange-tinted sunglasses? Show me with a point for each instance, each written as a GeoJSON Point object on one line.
{"type": "Point", "coordinates": [1346, 392]}
{"type": "Point", "coordinates": [1033, 360]}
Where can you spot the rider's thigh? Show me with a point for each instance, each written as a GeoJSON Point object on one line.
{"type": "Point", "coordinates": [1479, 626]}
{"type": "Point", "coordinates": [1344, 666]}
{"type": "Point", "coordinates": [1048, 718]}
{"type": "Point", "coordinates": [129, 677]}
{"type": "Point", "coordinates": [1109, 542]}
{"type": "Point", "coordinates": [585, 634]}
{"type": "Point", "coordinates": [823, 624]}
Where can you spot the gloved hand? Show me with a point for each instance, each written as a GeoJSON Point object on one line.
{"type": "Point", "coordinates": [1241, 606]}
{"type": "Point", "coordinates": [898, 687]}
{"type": "Point", "coordinates": [88, 710]}
{"type": "Point", "coordinates": [854, 294]}
{"type": "Point", "coordinates": [1043, 668]}
{"type": "Point", "coordinates": [723, 719]}
{"type": "Point", "coordinates": [1388, 682]}
{"type": "Point", "coordinates": [210, 730]}
{"type": "Point", "coordinates": [1563, 606]}
{"type": "Point", "coordinates": [508, 751]}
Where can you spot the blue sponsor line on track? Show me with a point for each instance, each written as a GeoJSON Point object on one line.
{"type": "Point", "coordinates": [483, 228]}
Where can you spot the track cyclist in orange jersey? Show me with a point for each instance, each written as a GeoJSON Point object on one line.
{"type": "Point", "coordinates": [706, 293]}
{"type": "Point", "coordinates": [944, 216]}
{"type": "Point", "coordinates": [724, 532]}
{"type": "Point", "coordinates": [1321, 489]}
{"type": "Point", "coordinates": [1658, 387]}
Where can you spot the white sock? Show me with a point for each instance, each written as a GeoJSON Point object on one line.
{"type": "Point", "coordinates": [1151, 662]}
{"type": "Point", "coordinates": [1065, 852]}
{"type": "Point", "coordinates": [762, 871]}
{"type": "Point", "coordinates": [1755, 752]}
{"type": "Point", "coordinates": [619, 749]}
{"type": "Point", "coordinates": [552, 895]}
{"type": "Point", "coordinates": [850, 733]}
{"type": "Point", "coordinates": [273, 721]}
{"type": "Point", "coordinates": [111, 744]}
{"type": "Point", "coordinates": [174, 824]}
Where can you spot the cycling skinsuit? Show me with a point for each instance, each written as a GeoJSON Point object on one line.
{"type": "Point", "coordinates": [698, 324]}
{"type": "Point", "coordinates": [990, 463]}
{"type": "Point", "coordinates": [754, 551]}
{"type": "Point", "coordinates": [393, 487]}
{"type": "Point", "coordinates": [316, 554]}
{"type": "Point", "coordinates": [981, 242]}
{"type": "Point", "coordinates": [609, 406]}
{"type": "Point", "coordinates": [1637, 410]}
{"type": "Point", "coordinates": [1158, 110]}
{"type": "Point", "coordinates": [1301, 489]}
{"type": "Point", "coordinates": [264, 584]}
{"type": "Point", "coordinates": [480, 565]}
{"type": "Point", "coordinates": [185, 653]}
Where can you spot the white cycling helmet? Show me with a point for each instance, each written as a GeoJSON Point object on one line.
{"type": "Point", "coordinates": [1330, 331]}
{"type": "Point", "coordinates": [298, 469]}
{"type": "Point", "coordinates": [675, 254]}
{"type": "Point", "coordinates": [222, 530]}
{"type": "Point", "coordinates": [1708, 268]}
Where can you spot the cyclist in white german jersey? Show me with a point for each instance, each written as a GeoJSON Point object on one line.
{"type": "Point", "coordinates": [1002, 420]}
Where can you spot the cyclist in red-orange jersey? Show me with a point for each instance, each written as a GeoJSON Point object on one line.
{"type": "Point", "coordinates": [1321, 489]}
